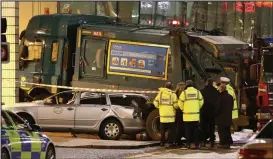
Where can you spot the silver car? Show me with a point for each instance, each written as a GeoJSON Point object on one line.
{"type": "Point", "coordinates": [106, 114]}
{"type": "Point", "coordinates": [260, 145]}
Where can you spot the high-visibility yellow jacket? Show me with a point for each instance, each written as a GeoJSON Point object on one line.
{"type": "Point", "coordinates": [190, 102]}
{"type": "Point", "coordinates": [231, 92]}
{"type": "Point", "coordinates": [166, 102]}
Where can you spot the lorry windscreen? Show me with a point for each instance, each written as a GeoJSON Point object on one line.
{"type": "Point", "coordinates": [30, 52]}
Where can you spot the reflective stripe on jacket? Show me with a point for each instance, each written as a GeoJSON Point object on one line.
{"type": "Point", "coordinates": [166, 102]}
{"type": "Point", "coordinates": [190, 102]}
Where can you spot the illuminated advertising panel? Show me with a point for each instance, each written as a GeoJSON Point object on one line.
{"type": "Point", "coordinates": [138, 59]}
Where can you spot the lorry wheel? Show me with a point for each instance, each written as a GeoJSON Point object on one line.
{"type": "Point", "coordinates": [153, 125]}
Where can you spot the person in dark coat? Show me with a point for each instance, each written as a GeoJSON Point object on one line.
{"type": "Point", "coordinates": [207, 113]}
{"type": "Point", "coordinates": [224, 117]}
{"type": "Point", "coordinates": [180, 131]}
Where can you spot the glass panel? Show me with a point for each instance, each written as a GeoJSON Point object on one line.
{"type": "Point", "coordinates": [239, 8]}
{"type": "Point", "coordinates": [147, 9]}
{"type": "Point", "coordinates": [212, 15]}
{"type": "Point", "coordinates": [99, 99]}
{"type": "Point", "coordinates": [230, 18]}
{"type": "Point", "coordinates": [249, 21]}
{"type": "Point", "coordinates": [93, 58]}
{"type": "Point", "coordinates": [264, 21]}
{"type": "Point", "coordinates": [78, 7]}
{"type": "Point", "coordinates": [107, 9]}
{"type": "Point", "coordinates": [168, 10]}
{"type": "Point", "coordinates": [55, 51]}
{"type": "Point", "coordinates": [221, 15]}
{"type": "Point", "coordinates": [34, 50]}
{"type": "Point", "coordinates": [128, 12]}
{"type": "Point", "coordinates": [201, 15]}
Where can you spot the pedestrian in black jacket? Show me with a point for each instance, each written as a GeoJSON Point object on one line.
{"type": "Point", "coordinates": [207, 113]}
{"type": "Point", "coordinates": [180, 131]}
{"type": "Point", "coordinates": [224, 117]}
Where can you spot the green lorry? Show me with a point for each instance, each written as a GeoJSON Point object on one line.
{"type": "Point", "coordinates": [95, 52]}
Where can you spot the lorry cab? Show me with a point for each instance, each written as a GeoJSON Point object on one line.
{"type": "Point", "coordinates": [47, 50]}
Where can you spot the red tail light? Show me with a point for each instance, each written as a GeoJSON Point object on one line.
{"type": "Point", "coordinates": [251, 154]}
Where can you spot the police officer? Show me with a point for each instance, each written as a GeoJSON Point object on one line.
{"type": "Point", "coordinates": [190, 102]}
{"type": "Point", "coordinates": [166, 102]}
{"type": "Point", "coordinates": [224, 117]}
{"type": "Point", "coordinates": [207, 113]}
{"type": "Point", "coordinates": [230, 90]}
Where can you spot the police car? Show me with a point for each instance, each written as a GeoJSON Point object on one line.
{"type": "Point", "coordinates": [20, 140]}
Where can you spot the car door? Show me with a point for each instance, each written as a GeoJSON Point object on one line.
{"type": "Point", "coordinates": [30, 141]}
{"type": "Point", "coordinates": [57, 112]}
{"type": "Point", "coordinates": [93, 108]}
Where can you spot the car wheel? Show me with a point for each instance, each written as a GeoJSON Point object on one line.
{"type": "Point", "coordinates": [41, 96]}
{"type": "Point", "coordinates": [4, 154]}
{"type": "Point", "coordinates": [50, 153]}
{"type": "Point", "coordinates": [153, 125]}
{"type": "Point", "coordinates": [110, 130]}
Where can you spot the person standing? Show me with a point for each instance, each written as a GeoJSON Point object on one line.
{"type": "Point", "coordinates": [180, 131]}
{"type": "Point", "coordinates": [190, 102]}
{"type": "Point", "coordinates": [166, 102]}
{"type": "Point", "coordinates": [230, 90]}
{"type": "Point", "coordinates": [207, 112]}
{"type": "Point", "coordinates": [224, 117]}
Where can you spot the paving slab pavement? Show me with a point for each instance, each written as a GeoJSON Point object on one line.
{"type": "Point", "coordinates": [102, 144]}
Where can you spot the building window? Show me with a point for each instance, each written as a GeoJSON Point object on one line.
{"type": "Point", "coordinates": [147, 9]}
{"type": "Point", "coordinates": [107, 9]}
{"type": "Point", "coordinates": [166, 11]}
{"type": "Point", "coordinates": [77, 7]}
{"type": "Point", "coordinates": [128, 12]}
{"type": "Point", "coordinates": [201, 15]}
{"type": "Point", "coordinates": [55, 51]}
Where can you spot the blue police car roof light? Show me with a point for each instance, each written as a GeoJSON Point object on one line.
{"type": "Point", "coordinates": [268, 40]}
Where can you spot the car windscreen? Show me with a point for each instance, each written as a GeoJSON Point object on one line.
{"type": "Point", "coordinates": [266, 132]}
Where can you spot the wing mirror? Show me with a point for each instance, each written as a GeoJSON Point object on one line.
{"type": "Point", "coordinates": [31, 127]}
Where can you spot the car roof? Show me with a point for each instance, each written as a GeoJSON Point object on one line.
{"type": "Point", "coordinates": [109, 93]}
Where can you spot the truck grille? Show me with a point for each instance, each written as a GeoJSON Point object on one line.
{"type": "Point", "coordinates": [270, 94]}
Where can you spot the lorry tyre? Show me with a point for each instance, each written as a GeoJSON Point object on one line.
{"type": "Point", "coordinates": [110, 129]}
{"type": "Point", "coordinates": [153, 125]}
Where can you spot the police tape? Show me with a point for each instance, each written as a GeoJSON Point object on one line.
{"type": "Point", "coordinates": [98, 90]}
{"type": "Point", "coordinates": [251, 87]}
{"type": "Point", "coordinates": [84, 89]}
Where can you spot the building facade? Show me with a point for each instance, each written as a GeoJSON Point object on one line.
{"type": "Point", "coordinates": [239, 19]}
{"type": "Point", "coordinates": [242, 20]}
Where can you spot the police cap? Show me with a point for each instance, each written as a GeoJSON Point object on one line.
{"type": "Point", "coordinates": [225, 79]}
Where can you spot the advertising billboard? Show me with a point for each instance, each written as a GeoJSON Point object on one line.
{"type": "Point", "coordinates": [138, 59]}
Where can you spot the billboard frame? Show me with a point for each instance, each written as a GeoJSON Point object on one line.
{"type": "Point", "coordinates": [140, 44]}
